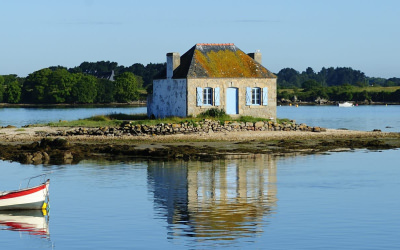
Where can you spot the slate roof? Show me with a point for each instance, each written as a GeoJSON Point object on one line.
{"type": "Point", "coordinates": [205, 60]}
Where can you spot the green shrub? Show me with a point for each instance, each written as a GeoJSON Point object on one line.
{"type": "Point", "coordinates": [214, 113]}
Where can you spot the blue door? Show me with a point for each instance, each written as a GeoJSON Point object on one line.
{"type": "Point", "coordinates": [232, 101]}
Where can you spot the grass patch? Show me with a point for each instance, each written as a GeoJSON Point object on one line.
{"type": "Point", "coordinates": [119, 119]}
{"type": "Point", "coordinates": [20, 129]}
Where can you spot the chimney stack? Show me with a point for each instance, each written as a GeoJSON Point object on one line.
{"type": "Point", "coordinates": [173, 61]}
{"type": "Point", "coordinates": [256, 56]}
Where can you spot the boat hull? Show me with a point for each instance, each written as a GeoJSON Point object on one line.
{"type": "Point", "coordinates": [29, 198]}
{"type": "Point", "coordinates": [346, 104]}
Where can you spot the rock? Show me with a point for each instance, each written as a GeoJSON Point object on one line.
{"type": "Point", "coordinates": [25, 158]}
{"type": "Point", "coordinates": [46, 156]}
{"type": "Point", "coordinates": [316, 129]}
{"type": "Point", "coordinates": [259, 124]}
{"type": "Point", "coordinates": [68, 155]}
{"type": "Point", "coordinates": [37, 156]}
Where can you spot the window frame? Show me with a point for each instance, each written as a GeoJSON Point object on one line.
{"type": "Point", "coordinates": [256, 96]}
{"type": "Point", "coordinates": [208, 96]}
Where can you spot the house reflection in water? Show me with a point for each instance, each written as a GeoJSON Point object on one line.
{"type": "Point", "coordinates": [220, 200]}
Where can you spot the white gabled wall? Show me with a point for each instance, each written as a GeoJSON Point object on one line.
{"type": "Point", "coordinates": [168, 99]}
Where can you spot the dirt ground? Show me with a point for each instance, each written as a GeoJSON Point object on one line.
{"type": "Point", "coordinates": [36, 133]}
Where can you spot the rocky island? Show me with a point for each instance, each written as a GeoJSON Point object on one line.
{"type": "Point", "coordinates": [66, 145]}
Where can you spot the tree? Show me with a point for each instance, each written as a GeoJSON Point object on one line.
{"type": "Point", "coordinates": [288, 77]}
{"type": "Point", "coordinates": [13, 92]}
{"type": "Point", "coordinates": [60, 85]}
{"type": "Point", "coordinates": [35, 88]}
{"type": "Point", "coordinates": [84, 89]}
{"type": "Point", "coordinates": [1, 88]}
{"type": "Point", "coordinates": [105, 91]}
{"type": "Point", "coordinates": [99, 69]}
{"type": "Point", "coordinates": [394, 81]}
{"type": "Point", "coordinates": [310, 84]}
{"type": "Point", "coordinates": [126, 87]}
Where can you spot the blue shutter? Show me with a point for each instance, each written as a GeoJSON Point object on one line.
{"type": "Point", "coordinates": [216, 96]}
{"type": "Point", "coordinates": [248, 96]}
{"type": "Point", "coordinates": [199, 96]}
{"type": "Point", "coordinates": [265, 96]}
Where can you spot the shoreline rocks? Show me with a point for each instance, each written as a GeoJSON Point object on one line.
{"type": "Point", "coordinates": [206, 126]}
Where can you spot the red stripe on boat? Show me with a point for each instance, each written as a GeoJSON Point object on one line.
{"type": "Point", "coordinates": [23, 192]}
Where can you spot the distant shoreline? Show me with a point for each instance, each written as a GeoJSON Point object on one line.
{"type": "Point", "coordinates": [17, 105]}
{"type": "Point", "coordinates": [143, 104]}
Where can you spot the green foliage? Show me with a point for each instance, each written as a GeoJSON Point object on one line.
{"type": "Point", "coordinates": [85, 89]}
{"type": "Point", "coordinates": [126, 87]}
{"type": "Point", "coordinates": [60, 85]}
{"type": "Point", "coordinates": [35, 89]}
{"type": "Point", "coordinates": [121, 116]}
{"type": "Point", "coordinates": [310, 84]}
{"type": "Point", "coordinates": [13, 92]}
{"type": "Point", "coordinates": [105, 91]}
{"type": "Point", "coordinates": [102, 70]}
{"type": "Point", "coordinates": [251, 119]}
{"type": "Point", "coordinates": [289, 77]}
{"type": "Point", "coordinates": [214, 113]}
{"type": "Point", "coordinates": [1, 88]}
{"type": "Point", "coordinates": [345, 92]}
{"type": "Point", "coordinates": [99, 118]}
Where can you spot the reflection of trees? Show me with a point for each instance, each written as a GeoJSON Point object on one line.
{"type": "Point", "coordinates": [224, 199]}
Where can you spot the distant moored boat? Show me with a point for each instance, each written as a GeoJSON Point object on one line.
{"type": "Point", "coordinates": [346, 104]}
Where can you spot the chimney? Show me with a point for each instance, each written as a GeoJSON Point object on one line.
{"type": "Point", "coordinates": [173, 61]}
{"type": "Point", "coordinates": [256, 56]}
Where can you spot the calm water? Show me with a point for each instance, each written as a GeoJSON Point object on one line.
{"type": "Point", "coordinates": [344, 200]}
{"type": "Point", "coordinates": [24, 116]}
{"type": "Point", "coordinates": [367, 118]}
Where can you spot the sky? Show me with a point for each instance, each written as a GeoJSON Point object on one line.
{"type": "Point", "coordinates": [361, 34]}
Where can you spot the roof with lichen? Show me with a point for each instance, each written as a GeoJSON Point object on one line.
{"type": "Point", "coordinates": [205, 60]}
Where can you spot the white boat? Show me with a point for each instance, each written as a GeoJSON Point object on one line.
{"type": "Point", "coordinates": [26, 198]}
{"type": "Point", "coordinates": [346, 104]}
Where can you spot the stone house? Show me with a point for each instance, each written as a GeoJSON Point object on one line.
{"type": "Point", "coordinates": [214, 76]}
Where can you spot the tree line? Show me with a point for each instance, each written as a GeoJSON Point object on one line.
{"type": "Point", "coordinates": [86, 83]}
{"type": "Point", "coordinates": [326, 77]}
{"type": "Point", "coordinates": [90, 82]}
{"type": "Point", "coordinates": [334, 84]}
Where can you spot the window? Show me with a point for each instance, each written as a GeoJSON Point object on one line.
{"type": "Point", "coordinates": [207, 96]}
{"type": "Point", "coordinates": [256, 96]}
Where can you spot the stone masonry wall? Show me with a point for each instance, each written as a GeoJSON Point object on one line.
{"type": "Point", "coordinates": [268, 111]}
{"type": "Point", "coordinates": [206, 126]}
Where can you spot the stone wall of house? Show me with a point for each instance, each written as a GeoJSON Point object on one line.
{"type": "Point", "coordinates": [205, 126]}
{"type": "Point", "coordinates": [168, 99]}
{"type": "Point", "coordinates": [267, 111]}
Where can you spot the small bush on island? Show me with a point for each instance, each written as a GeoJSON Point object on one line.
{"type": "Point", "coordinates": [214, 113]}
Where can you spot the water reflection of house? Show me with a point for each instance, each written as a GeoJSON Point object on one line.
{"type": "Point", "coordinates": [224, 199]}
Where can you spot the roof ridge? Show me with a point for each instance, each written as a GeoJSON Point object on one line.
{"type": "Point", "coordinates": [215, 44]}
